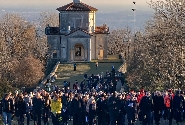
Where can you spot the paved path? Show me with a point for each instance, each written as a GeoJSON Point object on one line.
{"type": "Point", "coordinates": [163, 122]}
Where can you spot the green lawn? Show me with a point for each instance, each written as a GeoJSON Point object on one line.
{"type": "Point", "coordinates": [66, 71]}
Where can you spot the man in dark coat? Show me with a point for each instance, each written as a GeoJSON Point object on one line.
{"type": "Point", "coordinates": [146, 107]}
{"type": "Point", "coordinates": [101, 110]}
{"type": "Point", "coordinates": [65, 115]}
{"type": "Point", "coordinates": [37, 108]}
{"type": "Point", "coordinates": [182, 105]}
{"type": "Point", "coordinates": [7, 109]}
{"type": "Point", "coordinates": [65, 99]}
{"type": "Point", "coordinates": [122, 110]}
{"type": "Point", "coordinates": [75, 108]}
{"type": "Point", "coordinates": [113, 109]}
{"type": "Point", "coordinates": [82, 113]}
{"type": "Point", "coordinates": [20, 109]}
{"type": "Point", "coordinates": [158, 102]}
{"type": "Point", "coordinates": [131, 108]}
{"type": "Point", "coordinates": [177, 107]}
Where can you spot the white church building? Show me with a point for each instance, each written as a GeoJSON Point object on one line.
{"type": "Point", "coordinates": [77, 38]}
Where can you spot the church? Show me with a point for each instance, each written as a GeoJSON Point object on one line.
{"type": "Point", "coordinates": [77, 38]}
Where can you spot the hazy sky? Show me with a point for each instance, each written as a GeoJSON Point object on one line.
{"type": "Point", "coordinates": [26, 2]}
{"type": "Point", "coordinates": [101, 5]}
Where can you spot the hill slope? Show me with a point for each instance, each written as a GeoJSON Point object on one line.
{"type": "Point", "coordinates": [65, 72]}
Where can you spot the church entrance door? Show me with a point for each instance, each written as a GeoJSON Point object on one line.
{"type": "Point", "coordinates": [101, 54]}
{"type": "Point", "coordinates": [79, 52]}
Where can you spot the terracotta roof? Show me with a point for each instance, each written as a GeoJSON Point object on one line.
{"type": "Point", "coordinates": [102, 29]}
{"type": "Point", "coordinates": [76, 7]}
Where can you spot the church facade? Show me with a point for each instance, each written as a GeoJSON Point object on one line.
{"type": "Point", "coordinates": [77, 38]}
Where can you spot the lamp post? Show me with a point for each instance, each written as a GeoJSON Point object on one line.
{"type": "Point", "coordinates": [134, 10]}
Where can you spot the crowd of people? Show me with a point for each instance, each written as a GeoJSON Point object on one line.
{"type": "Point", "coordinates": [93, 101]}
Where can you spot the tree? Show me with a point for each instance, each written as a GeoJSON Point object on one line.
{"type": "Point", "coordinates": [5, 87]}
{"type": "Point", "coordinates": [158, 61]}
{"type": "Point", "coordinates": [51, 18]}
{"type": "Point", "coordinates": [26, 72]}
{"type": "Point", "coordinates": [45, 19]}
{"type": "Point", "coordinates": [19, 42]}
{"type": "Point", "coordinates": [120, 42]}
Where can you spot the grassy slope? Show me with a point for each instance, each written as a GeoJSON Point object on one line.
{"type": "Point", "coordinates": [65, 71]}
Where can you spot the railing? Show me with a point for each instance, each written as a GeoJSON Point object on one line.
{"type": "Point", "coordinates": [123, 68]}
{"type": "Point", "coordinates": [51, 74]}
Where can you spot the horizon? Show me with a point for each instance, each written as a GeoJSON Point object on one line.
{"type": "Point", "coordinates": [102, 6]}
{"type": "Point", "coordinates": [119, 16]}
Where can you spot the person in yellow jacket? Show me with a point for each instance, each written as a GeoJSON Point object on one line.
{"type": "Point", "coordinates": [56, 107]}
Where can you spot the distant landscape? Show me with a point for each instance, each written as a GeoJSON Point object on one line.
{"type": "Point", "coordinates": [114, 19]}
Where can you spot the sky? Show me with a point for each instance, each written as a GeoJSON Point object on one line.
{"type": "Point", "coordinates": [101, 5]}
{"type": "Point", "coordinates": [115, 13]}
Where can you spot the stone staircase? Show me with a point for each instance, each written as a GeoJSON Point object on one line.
{"type": "Point", "coordinates": [123, 68]}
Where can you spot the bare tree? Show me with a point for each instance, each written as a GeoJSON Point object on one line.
{"type": "Point", "coordinates": [51, 18]}
{"type": "Point", "coordinates": [26, 72]}
{"type": "Point", "coordinates": [159, 57]}
{"type": "Point", "coordinates": [120, 42]}
{"type": "Point", "coordinates": [19, 41]}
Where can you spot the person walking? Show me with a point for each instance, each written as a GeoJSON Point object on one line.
{"type": "Point", "coordinates": [113, 108]}
{"type": "Point", "coordinates": [131, 109]}
{"type": "Point", "coordinates": [168, 107]}
{"type": "Point", "coordinates": [91, 109]}
{"type": "Point", "coordinates": [158, 103]}
{"type": "Point", "coordinates": [74, 65]}
{"type": "Point", "coordinates": [65, 115]}
{"type": "Point", "coordinates": [146, 107]}
{"type": "Point", "coordinates": [75, 108]}
{"type": "Point", "coordinates": [177, 107]}
{"type": "Point", "coordinates": [102, 109]}
{"type": "Point", "coordinates": [182, 106]}
{"type": "Point", "coordinates": [56, 107]}
{"type": "Point", "coordinates": [46, 109]}
{"type": "Point", "coordinates": [83, 113]}
{"type": "Point", "coordinates": [28, 102]}
{"type": "Point", "coordinates": [122, 110]}
{"type": "Point", "coordinates": [37, 108]}
{"type": "Point", "coordinates": [20, 109]}
{"type": "Point", "coordinates": [7, 109]}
